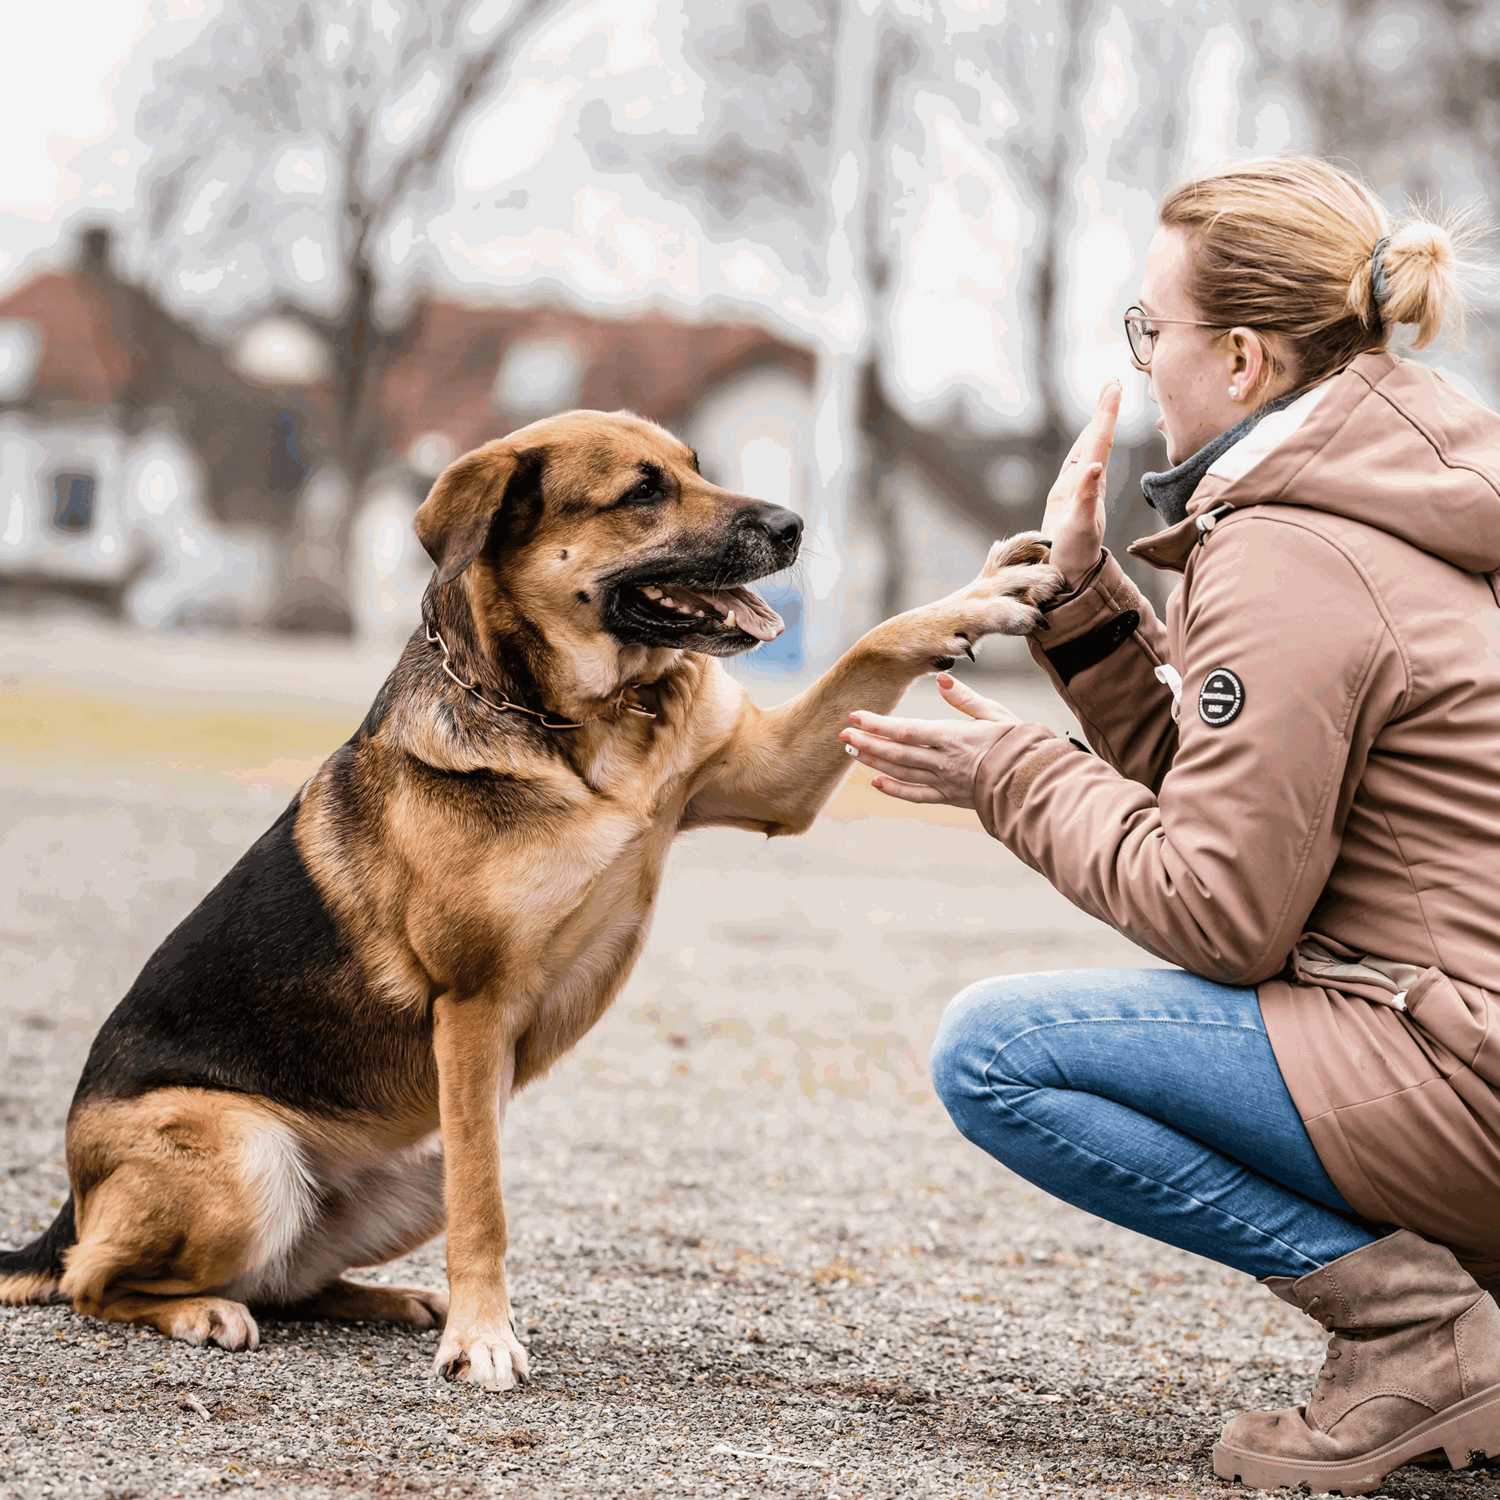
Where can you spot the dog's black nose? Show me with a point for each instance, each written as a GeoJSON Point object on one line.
{"type": "Point", "coordinates": [786, 527]}
{"type": "Point", "coordinates": [783, 526]}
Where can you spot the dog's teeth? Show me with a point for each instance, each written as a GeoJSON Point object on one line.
{"type": "Point", "coordinates": [651, 591]}
{"type": "Point", "coordinates": [729, 619]}
{"type": "Point", "coordinates": [669, 602]}
{"type": "Point", "coordinates": [698, 613]}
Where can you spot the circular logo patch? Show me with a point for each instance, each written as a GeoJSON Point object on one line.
{"type": "Point", "coordinates": [1221, 698]}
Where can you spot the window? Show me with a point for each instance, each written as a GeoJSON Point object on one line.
{"type": "Point", "coordinates": [73, 502]}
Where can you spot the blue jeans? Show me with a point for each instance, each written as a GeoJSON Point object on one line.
{"type": "Point", "coordinates": [1150, 1098]}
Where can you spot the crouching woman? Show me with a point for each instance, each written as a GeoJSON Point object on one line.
{"type": "Point", "coordinates": [1294, 797]}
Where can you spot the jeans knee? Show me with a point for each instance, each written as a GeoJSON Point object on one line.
{"type": "Point", "coordinates": [946, 1064]}
{"type": "Point", "coordinates": [972, 1031]}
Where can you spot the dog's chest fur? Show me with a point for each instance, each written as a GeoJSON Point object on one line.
{"type": "Point", "coordinates": [528, 881]}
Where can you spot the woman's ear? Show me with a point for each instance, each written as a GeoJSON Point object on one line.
{"type": "Point", "coordinates": [455, 518]}
{"type": "Point", "coordinates": [1250, 366]}
{"type": "Point", "coordinates": [1242, 363]}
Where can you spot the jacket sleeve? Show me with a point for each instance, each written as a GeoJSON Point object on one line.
{"type": "Point", "coordinates": [1125, 710]}
{"type": "Point", "coordinates": [1220, 870]}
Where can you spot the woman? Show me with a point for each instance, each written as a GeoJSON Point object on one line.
{"type": "Point", "coordinates": [1294, 797]}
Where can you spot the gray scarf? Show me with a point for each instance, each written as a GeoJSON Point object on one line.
{"type": "Point", "coordinates": [1168, 493]}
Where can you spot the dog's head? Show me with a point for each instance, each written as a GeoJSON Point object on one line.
{"type": "Point", "coordinates": [599, 524]}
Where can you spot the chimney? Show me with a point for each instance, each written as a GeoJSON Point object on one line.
{"type": "Point", "coordinates": [94, 245]}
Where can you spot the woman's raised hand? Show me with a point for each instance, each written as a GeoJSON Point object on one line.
{"type": "Point", "coordinates": [1074, 518]}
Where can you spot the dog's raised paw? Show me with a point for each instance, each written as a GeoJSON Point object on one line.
{"type": "Point", "coordinates": [491, 1358]}
{"type": "Point", "coordinates": [1025, 549]}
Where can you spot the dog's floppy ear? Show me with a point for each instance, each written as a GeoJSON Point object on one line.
{"type": "Point", "coordinates": [455, 518]}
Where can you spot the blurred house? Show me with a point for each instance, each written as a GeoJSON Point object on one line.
{"type": "Point", "coordinates": [136, 467]}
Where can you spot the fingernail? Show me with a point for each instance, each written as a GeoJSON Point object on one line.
{"type": "Point", "coordinates": [851, 750]}
{"type": "Point", "coordinates": [944, 680]}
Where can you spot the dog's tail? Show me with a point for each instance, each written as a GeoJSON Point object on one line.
{"type": "Point", "coordinates": [33, 1273]}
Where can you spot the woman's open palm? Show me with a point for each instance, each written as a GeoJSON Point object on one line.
{"type": "Point", "coordinates": [930, 760]}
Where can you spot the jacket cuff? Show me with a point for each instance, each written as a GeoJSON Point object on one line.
{"type": "Point", "coordinates": [1008, 769]}
{"type": "Point", "coordinates": [1106, 608]}
{"type": "Point", "coordinates": [1105, 593]}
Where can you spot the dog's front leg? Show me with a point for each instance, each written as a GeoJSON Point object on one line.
{"type": "Point", "coordinates": [476, 1066]}
{"type": "Point", "coordinates": [783, 765]}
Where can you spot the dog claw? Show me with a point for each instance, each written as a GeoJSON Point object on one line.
{"type": "Point", "coordinates": [969, 652]}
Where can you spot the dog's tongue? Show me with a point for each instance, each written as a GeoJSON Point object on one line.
{"type": "Point", "coordinates": [751, 613]}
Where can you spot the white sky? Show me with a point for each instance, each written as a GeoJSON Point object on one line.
{"type": "Point", "coordinates": [78, 70]}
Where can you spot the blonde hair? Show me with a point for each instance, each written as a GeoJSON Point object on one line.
{"type": "Point", "coordinates": [1285, 245]}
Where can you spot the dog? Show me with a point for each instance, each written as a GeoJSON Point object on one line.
{"type": "Point", "coordinates": [311, 1072]}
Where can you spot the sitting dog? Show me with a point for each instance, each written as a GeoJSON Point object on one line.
{"type": "Point", "coordinates": [311, 1072]}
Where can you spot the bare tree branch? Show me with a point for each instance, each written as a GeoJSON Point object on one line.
{"type": "Point", "coordinates": [471, 86]}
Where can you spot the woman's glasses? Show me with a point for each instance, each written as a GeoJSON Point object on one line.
{"type": "Point", "coordinates": [1142, 332]}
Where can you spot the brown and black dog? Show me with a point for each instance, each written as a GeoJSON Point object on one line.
{"type": "Point", "coordinates": [311, 1072]}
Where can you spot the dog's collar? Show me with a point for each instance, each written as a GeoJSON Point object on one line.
{"type": "Point", "coordinates": [504, 705]}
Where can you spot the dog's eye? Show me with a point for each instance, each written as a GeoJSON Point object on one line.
{"type": "Point", "coordinates": [643, 493]}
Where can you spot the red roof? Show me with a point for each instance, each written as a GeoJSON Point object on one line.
{"type": "Point", "coordinates": [443, 379]}
{"type": "Point", "coordinates": [81, 359]}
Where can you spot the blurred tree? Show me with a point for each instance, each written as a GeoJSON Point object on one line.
{"type": "Point", "coordinates": [292, 145]}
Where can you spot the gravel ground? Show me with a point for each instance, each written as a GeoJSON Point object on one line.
{"type": "Point", "coordinates": [750, 1254]}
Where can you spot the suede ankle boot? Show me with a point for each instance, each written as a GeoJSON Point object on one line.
{"type": "Point", "coordinates": [1413, 1368]}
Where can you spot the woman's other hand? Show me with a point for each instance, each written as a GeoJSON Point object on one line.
{"type": "Point", "coordinates": [930, 760]}
{"type": "Point", "coordinates": [1074, 518]}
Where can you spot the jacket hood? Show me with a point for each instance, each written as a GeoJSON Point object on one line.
{"type": "Point", "coordinates": [1387, 442]}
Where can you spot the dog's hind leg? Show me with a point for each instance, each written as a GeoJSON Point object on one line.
{"type": "Point", "coordinates": [180, 1194]}
{"type": "Point", "coordinates": [133, 1264]}
{"type": "Point", "coordinates": [194, 1320]}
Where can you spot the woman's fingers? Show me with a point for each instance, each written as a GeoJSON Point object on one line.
{"type": "Point", "coordinates": [966, 700]}
{"type": "Point", "coordinates": [906, 791]}
{"type": "Point", "coordinates": [1101, 429]}
{"type": "Point", "coordinates": [914, 775]}
{"type": "Point", "coordinates": [904, 731]}
{"type": "Point", "coordinates": [892, 755]}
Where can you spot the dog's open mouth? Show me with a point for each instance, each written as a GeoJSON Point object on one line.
{"type": "Point", "coordinates": [702, 611]}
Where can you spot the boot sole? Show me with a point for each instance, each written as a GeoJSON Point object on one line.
{"type": "Point", "coordinates": [1468, 1433]}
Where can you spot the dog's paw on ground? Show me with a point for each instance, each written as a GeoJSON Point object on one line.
{"type": "Point", "coordinates": [215, 1320]}
{"type": "Point", "coordinates": [486, 1356]}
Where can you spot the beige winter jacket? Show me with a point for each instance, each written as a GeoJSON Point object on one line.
{"type": "Point", "coordinates": [1319, 815]}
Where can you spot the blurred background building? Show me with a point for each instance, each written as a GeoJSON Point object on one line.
{"type": "Point", "coordinates": [266, 266]}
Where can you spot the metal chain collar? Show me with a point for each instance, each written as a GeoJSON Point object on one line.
{"type": "Point", "coordinates": [548, 721]}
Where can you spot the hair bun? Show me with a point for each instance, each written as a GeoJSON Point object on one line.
{"type": "Point", "coordinates": [1421, 278]}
